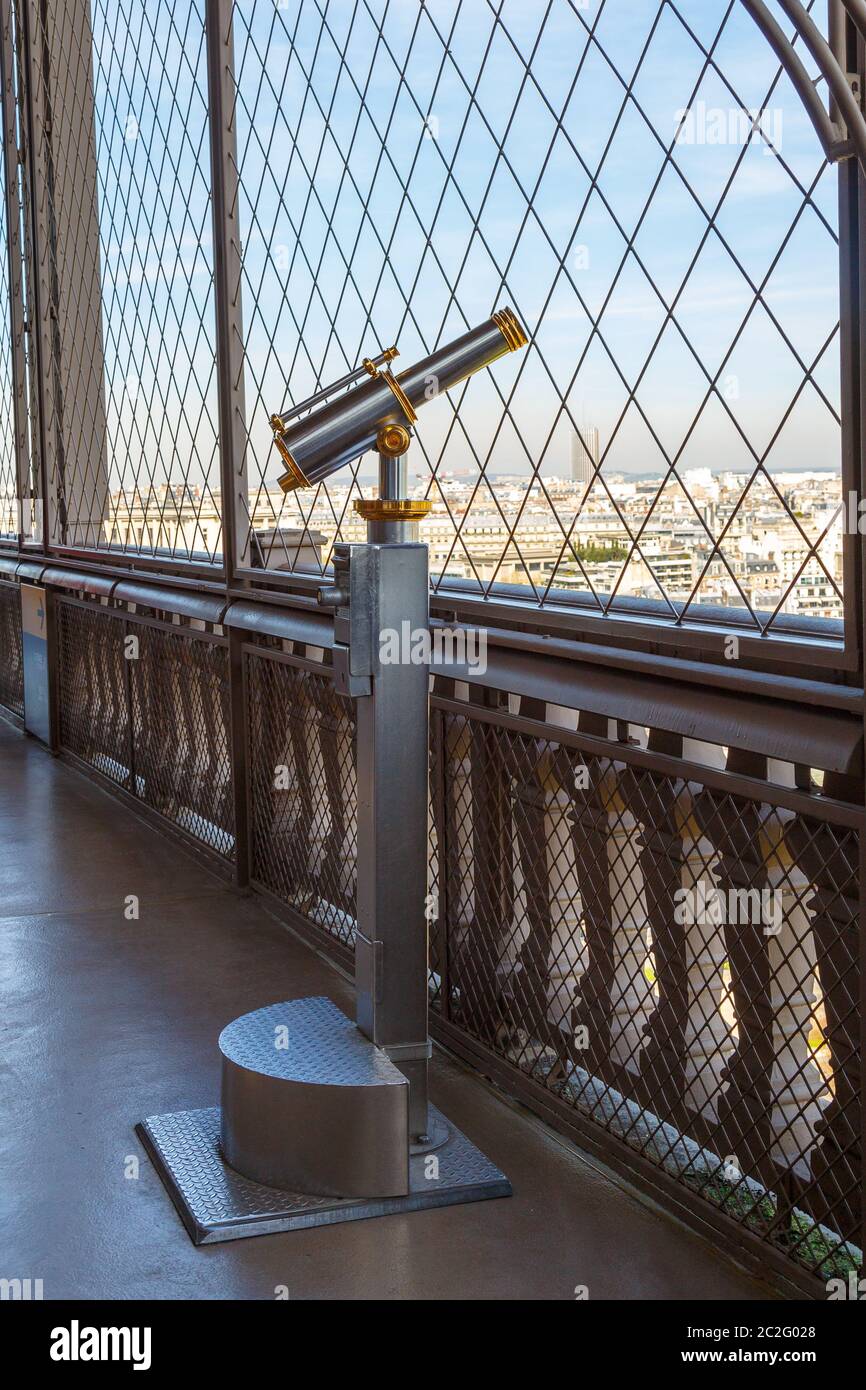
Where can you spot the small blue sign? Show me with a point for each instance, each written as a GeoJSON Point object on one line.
{"type": "Point", "coordinates": [37, 684]}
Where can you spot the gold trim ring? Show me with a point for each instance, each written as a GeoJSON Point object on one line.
{"type": "Point", "coordinates": [403, 400]}
{"type": "Point", "coordinates": [294, 477]}
{"type": "Point", "coordinates": [510, 327]}
{"type": "Point", "coordinates": [392, 509]}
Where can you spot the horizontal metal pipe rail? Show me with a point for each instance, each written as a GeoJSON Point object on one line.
{"type": "Point", "coordinates": [706, 667]}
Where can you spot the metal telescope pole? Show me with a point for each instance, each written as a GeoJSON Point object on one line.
{"type": "Point", "coordinates": [392, 766]}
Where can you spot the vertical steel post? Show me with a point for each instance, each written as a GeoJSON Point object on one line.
{"type": "Point", "coordinates": [17, 316]}
{"type": "Point", "coordinates": [858, 196]}
{"type": "Point", "coordinates": [65, 291]}
{"type": "Point", "coordinates": [392, 766]}
{"type": "Point", "coordinates": [222, 108]}
{"type": "Point", "coordinates": [231, 407]}
{"type": "Point", "coordinates": [37, 215]}
{"type": "Point", "coordinates": [850, 50]}
{"type": "Point", "coordinates": [843, 41]}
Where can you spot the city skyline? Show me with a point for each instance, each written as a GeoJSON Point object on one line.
{"type": "Point", "coordinates": [725, 539]}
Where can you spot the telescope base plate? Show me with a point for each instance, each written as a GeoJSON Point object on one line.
{"type": "Point", "coordinates": [215, 1203]}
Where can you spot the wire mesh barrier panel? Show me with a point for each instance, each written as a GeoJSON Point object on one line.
{"type": "Point", "coordinates": [120, 177]}
{"type": "Point", "coordinates": [146, 706]}
{"type": "Point", "coordinates": [303, 791]}
{"type": "Point", "coordinates": [11, 667]}
{"type": "Point", "coordinates": [10, 491]}
{"type": "Point", "coordinates": [675, 963]}
{"type": "Point", "coordinates": [303, 795]}
{"type": "Point", "coordinates": [180, 721]}
{"type": "Point", "coordinates": [93, 690]}
{"type": "Point", "coordinates": [652, 204]}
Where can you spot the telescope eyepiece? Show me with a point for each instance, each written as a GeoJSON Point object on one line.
{"type": "Point", "coordinates": [510, 327]}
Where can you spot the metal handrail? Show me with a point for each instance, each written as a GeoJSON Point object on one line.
{"type": "Point", "coordinates": [837, 142]}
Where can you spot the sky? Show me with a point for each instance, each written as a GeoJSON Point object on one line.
{"type": "Point", "coordinates": [393, 191]}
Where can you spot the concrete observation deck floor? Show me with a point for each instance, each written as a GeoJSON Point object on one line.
{"type": "Point", "coordinates": [105, 1021]}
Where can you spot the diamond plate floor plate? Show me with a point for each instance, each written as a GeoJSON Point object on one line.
{"type": "Point", "coordinates": [215, 1203]}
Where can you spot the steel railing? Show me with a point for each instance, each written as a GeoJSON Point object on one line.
{"type": "Point", "coordinates": [652, 939]}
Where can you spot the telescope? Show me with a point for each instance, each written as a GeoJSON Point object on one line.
{"type": "Point", "coordinates": [382, 411]}
{"type": "Point", "coordinates": [340, 1125]}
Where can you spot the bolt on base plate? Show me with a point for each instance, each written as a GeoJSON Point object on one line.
{"type": "Point", "coordinates": [215, 1203]}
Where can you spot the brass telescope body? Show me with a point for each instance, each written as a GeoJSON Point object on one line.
{"type": "Point", "coordinates": [383, 410]}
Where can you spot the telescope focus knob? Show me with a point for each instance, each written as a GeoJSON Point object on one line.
{"type": "Point", "coordinates": [393, 441]}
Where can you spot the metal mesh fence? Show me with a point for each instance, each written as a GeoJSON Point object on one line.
{"type": "Point", "coordinates": [180, 722]}
{"type": "Point", "coordinates": [678, 964]}
{"type": "Point", "coordinates": [303, 798]}
{"type": "Point", "coordinates": [11, 669]}
{"type": "Point", "coordinates": [645, 189]}
{"type": "Point", "coordinates": [655, 205]}
{"type": "Point", "coordinates": [303, 792]}
{"type": "Point", "coordinates": [672, 962]}
{"type": "Point", "coordinates": [124, 239]}
{"type": "Point", "coordinates": [93, 690]}
{"type": "Point", "coordinates": [9, 490]}
{"type": "Point", "coordinates": [147, 707]}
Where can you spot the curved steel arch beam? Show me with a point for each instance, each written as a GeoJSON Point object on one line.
{"type": "Point", "coordinates": [835, 75]}
{"type": "Point", "coordinates": [837, 142]}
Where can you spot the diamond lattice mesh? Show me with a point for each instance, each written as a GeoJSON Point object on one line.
{"type": "Point", "coordinates": [180, 724]}
{"type": "Point", "coordinates": [11, 669]}
{"type": "Point", "coordinates": [678, 964]}
{"type": "Point", "coordinates": [148, 708]}
{"type": "Point", "coordinates": [9, 492]}
{"type": "Point", "coordinates": [303, 794]}
{"type": "Point", "coordinates": [303, 798]}
{"type": "Point", "coordinates": [93, 693]}
{"type": "Point", "coordinates": [642, 184]}
{"type": "Point", "coordinates": [126, 259]}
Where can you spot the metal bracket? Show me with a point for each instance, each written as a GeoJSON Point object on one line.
{"type": "Point", "coordinates": [351, 597]}
{"type": "Point", "coordinates": [409, 1052]}
{"type": "Point", "coordinates": [369, 974]}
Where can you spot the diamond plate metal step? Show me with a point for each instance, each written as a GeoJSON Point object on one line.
{"type": "Point", "coordinates": [305, 1094]}
{"type": "Point", "coordinates": [309, 1104]}
{"type": "Point", "coordinates": [215, 1203]}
